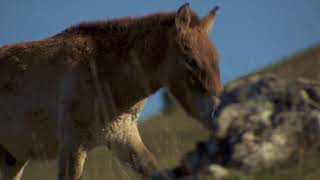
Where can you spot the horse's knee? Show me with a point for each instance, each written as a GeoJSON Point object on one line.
{"type": "Point", "coordinates": [137, 157]}
{"type": "Point", "coordinates": [143, 161]}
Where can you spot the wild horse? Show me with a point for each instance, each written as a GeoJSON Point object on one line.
{"type": "Point", "coordinates": [85, 87]}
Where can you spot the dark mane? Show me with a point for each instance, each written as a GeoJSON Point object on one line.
{"type": "Point", "coordinates": [164, 19]}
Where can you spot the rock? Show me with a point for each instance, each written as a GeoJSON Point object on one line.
{"type": "Point", "coordinates": [260, 123]}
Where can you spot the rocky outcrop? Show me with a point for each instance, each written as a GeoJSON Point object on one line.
{"type": "Point", "coordinates": [262, 122]}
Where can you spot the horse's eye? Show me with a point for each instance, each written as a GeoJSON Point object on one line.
{"type": "Point", "coordinates": [192, 65]}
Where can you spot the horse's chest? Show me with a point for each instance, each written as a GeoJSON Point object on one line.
{"type": "Point", "coordinates": [117, 130]}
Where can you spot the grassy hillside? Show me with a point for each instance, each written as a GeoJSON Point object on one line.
{"type": "Point", "coordinates": [304, 64]}
{"type": "Point", "coordinates": [170, 135]}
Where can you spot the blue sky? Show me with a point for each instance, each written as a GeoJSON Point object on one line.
{"type": "Point", "coordinates": [248, 34]}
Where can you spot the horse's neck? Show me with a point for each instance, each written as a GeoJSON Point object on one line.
{"type": "Point", "coordinates": [133, 79]}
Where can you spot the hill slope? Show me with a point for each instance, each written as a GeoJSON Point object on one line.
{"type": "Point", "coordinates": [305, 64]}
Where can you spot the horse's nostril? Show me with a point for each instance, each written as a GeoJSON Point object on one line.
{"type": "Point", "coordinates": [212, 114]}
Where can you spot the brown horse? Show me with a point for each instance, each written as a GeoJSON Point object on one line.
{"type": "Point", "coordinates": [86, 86]}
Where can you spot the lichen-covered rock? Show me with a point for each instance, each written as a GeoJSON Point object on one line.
{"type": "Point", "coordinates": [261, 122]}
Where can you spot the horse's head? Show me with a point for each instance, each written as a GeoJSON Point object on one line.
{"type": "Point", "coordinates": [194, 77]}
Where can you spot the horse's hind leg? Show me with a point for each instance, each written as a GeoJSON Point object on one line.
{"type": "Point", "coordinates": [10, 167]}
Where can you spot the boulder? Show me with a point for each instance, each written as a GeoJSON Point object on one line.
{"type": "Point", "coordinates": [262, 122]}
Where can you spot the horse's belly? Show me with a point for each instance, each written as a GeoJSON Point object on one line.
{"type": "Point", "coordinates": [28, 133]}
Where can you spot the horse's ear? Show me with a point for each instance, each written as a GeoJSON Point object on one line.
{"type": "Point", "coordinates": [208, 21]}
{"type": "Point", "coordinates": [183, 17]}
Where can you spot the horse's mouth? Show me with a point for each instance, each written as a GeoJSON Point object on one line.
{"type": "Point", "coordinates": [216, 104]}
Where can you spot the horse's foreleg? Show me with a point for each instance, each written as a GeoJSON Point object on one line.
{"type": "Point", "coordinates": [10, 167]}
{"type": "Point", "coordinates": [135, 154]}
{"type": "Point", "coordinates": [71, 161]}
